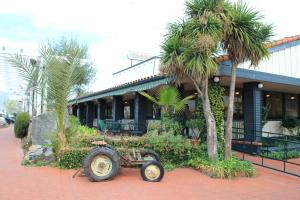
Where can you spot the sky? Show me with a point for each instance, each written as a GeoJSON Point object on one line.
{"type": "Point", "coordinates": [111, 29]}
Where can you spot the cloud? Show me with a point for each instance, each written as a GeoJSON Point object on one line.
{"type": "Point", "coordinates": [125, 25]}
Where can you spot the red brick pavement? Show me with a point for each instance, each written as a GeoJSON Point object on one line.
{"type": "Point", "coordinates": [42, 183]}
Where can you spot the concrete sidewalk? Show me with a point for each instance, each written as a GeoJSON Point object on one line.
{"type": "Point", "coordinates": [42, 183]}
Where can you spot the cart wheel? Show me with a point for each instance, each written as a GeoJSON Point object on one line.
{"type": "Point", "coordinates": [101, 163]}
{"type": "Point", "coordinates": [149, 155]}
{"type": "Point", "coordinates": [152, 171]}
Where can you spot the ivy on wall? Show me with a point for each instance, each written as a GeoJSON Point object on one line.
{"type": "Point", "coordinates": [215, 93]}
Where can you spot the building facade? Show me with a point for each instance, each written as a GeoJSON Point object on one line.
{"type": "Point", "coordinates": [273, 85]}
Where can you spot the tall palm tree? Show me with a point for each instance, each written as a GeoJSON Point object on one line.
{"type": "Point", "coordinates": [244, 40]}
{"type": "Point", "coordinates": [188, 51]}
{"type": "Point", "coordinates": [64, 69]}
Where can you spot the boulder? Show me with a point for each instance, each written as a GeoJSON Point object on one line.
{"type": "Point", "coordinates": [39, 153]}
{"type": "Point", "coordinates": [36, 144]}
{"type": "Point", "coordinates": [42, 127]}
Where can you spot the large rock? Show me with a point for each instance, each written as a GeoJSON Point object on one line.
{"type": "Point", "coordinates": [42, 127]}
{"type": "Point", "coordinates": [39, 153]}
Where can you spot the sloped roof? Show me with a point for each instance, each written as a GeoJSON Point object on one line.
{"type": "Point", "coordinates": [269, 45]}
{"type": "Point", "coordinates": [157, 77]}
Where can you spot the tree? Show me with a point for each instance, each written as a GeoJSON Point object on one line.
{"type": "Point", "coordinates": [244, 39]}
{"type": "Point", "coordinates": [11, 106]}
{"type": "Point", "coordinates": [65, 70]}
{"type": "Point", "coordinates": [29, 71]}
{"type": "Point", "coordinates": [169, 100]}
{"type": "Point", "coordinates": [188, 51]}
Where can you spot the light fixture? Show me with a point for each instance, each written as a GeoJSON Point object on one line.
{"type": "Point", "coordinates": [260, 85]}
{"type": "Point", "coordinates": [216, 79]}
{"type": "Point", "coordinates": [195, 93]}
{"type": "Point", "coordinates": [292, 98]}
{"type": "Point", "coordinates": [268, 95]}
{"type": "Point", "coordinates": [125, 102]}
{"type": "Point", "coordinates": [237, 93]}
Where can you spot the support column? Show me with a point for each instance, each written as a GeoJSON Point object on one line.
{"type": "Point", "coordinates": [252, 102]}
{"type": "Point", "coordinates": [132, 109]}
{"type": "Point", "coordinates": [74, 110]}
{"type": "Point", "coordinates": [117, 108]}
{"type": "Point", "coordinates": [89, 113]}
{"type": "Point", "coordinates": [101, 109]}
{"type": "Point", "coordinates": [80, 113]}
{"type": "Point", "coordinates": [140, 111]}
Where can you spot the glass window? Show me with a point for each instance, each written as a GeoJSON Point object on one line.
{"type": "Point", "coordinates": [273, 100]}
{"type": "Point", "coordinates": [128, 109]}
{"type": "Point", "coordinates": [291, 105]}
{"type": "Point", "coordinates": [238, 103]}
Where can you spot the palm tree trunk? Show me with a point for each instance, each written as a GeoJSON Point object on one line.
{"type": "Point", "coordinates": [32, 103]}
{"type": "Point", "coordinates": [42, 100]}
{"type": "Point", "coordinates": [212, 142]}
{"type": "Point", "coordinates": [229, 119]}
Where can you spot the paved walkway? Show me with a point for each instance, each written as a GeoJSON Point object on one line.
{"type": "Point", "coordinates": [42, 183]}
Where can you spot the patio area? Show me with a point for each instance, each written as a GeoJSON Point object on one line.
{"type": "Point", "coordinates": [22, 183]}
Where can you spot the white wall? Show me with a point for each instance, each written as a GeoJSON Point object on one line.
{"type": "Point", "coordinates": [285, 62]}
{"type": "Point", "coordinates": [143, 70]}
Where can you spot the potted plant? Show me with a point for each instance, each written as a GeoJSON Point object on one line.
{"type": "Point", "coordinates": [194, 126]}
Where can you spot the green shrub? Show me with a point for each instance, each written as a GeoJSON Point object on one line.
{"type": "Point", "coordinates": [230, 168]}
{"type": "Point", "coordinates": [21, 124]}
{"type": "Point", "coordinates": [174, 150]}
{"type": "Point", "coordinates": [280, 155]}
{"type": "Point", "coordinates": [71, 158]}
{"type": "Point", "coordinates": [290, 122]}
{"type": "Point", "coordinates": [167, 125]}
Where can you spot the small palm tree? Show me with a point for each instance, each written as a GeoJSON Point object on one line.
{"type": "Point", "coordinates": [64, 69]}
{"type": "Point", "coordinates": [169, 100]}
{"type": "Point", "coordinates": [244, 40]}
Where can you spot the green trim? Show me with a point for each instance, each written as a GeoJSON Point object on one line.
{"type": "Point", "coordinates": [136, 87]}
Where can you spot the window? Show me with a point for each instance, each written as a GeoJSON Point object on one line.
{"type": "Point", "coordinates": [126, 112]}
{"type": "Point", "coordinates": [291, 105]}
{"type": "Point", "coordinates": [273, 100]}
{"type": "Point", "coordinates": [238, 103]}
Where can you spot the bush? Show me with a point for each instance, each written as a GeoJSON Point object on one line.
{"type": "Point", "coordinates": [174, 150]}
{"type": "Point", "coordinates": [232, 167]}
{"type": "Point", "coordinates": [71, 158]}
{"type": "Point", "coordinates": [290, 122]}
{"type": "Point", "coordinates": [2, 122]}
{"type": "Point", "coordinates": [21, 124]}
{"type": "Point", "coordinates": [280, 155]}
{"type": "Point", "coordinates": [167, 125]}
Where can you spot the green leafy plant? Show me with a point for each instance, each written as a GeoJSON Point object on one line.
{"type": "Point", "coordinates": [245, 37]}
{"type": "Point", "coordinates": [290, 122]}
{"type": "Point", "coordinates": [63, 61]}
{"type": "Point", "coordinates": [265, 112]}
{"type": "Point", "coordinates": [188, 53]}
{"type": "Point", "coordinates": [280, 155]}
{"type": "Point", "coordinates": [21, 124]}
{"type": "Point", "coordinates": [169, 100]}
{"type": "Point", "coordinates": [71, 158]}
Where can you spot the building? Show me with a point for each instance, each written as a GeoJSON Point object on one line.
{"type": "Point", "coordinates": [275, 82]}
